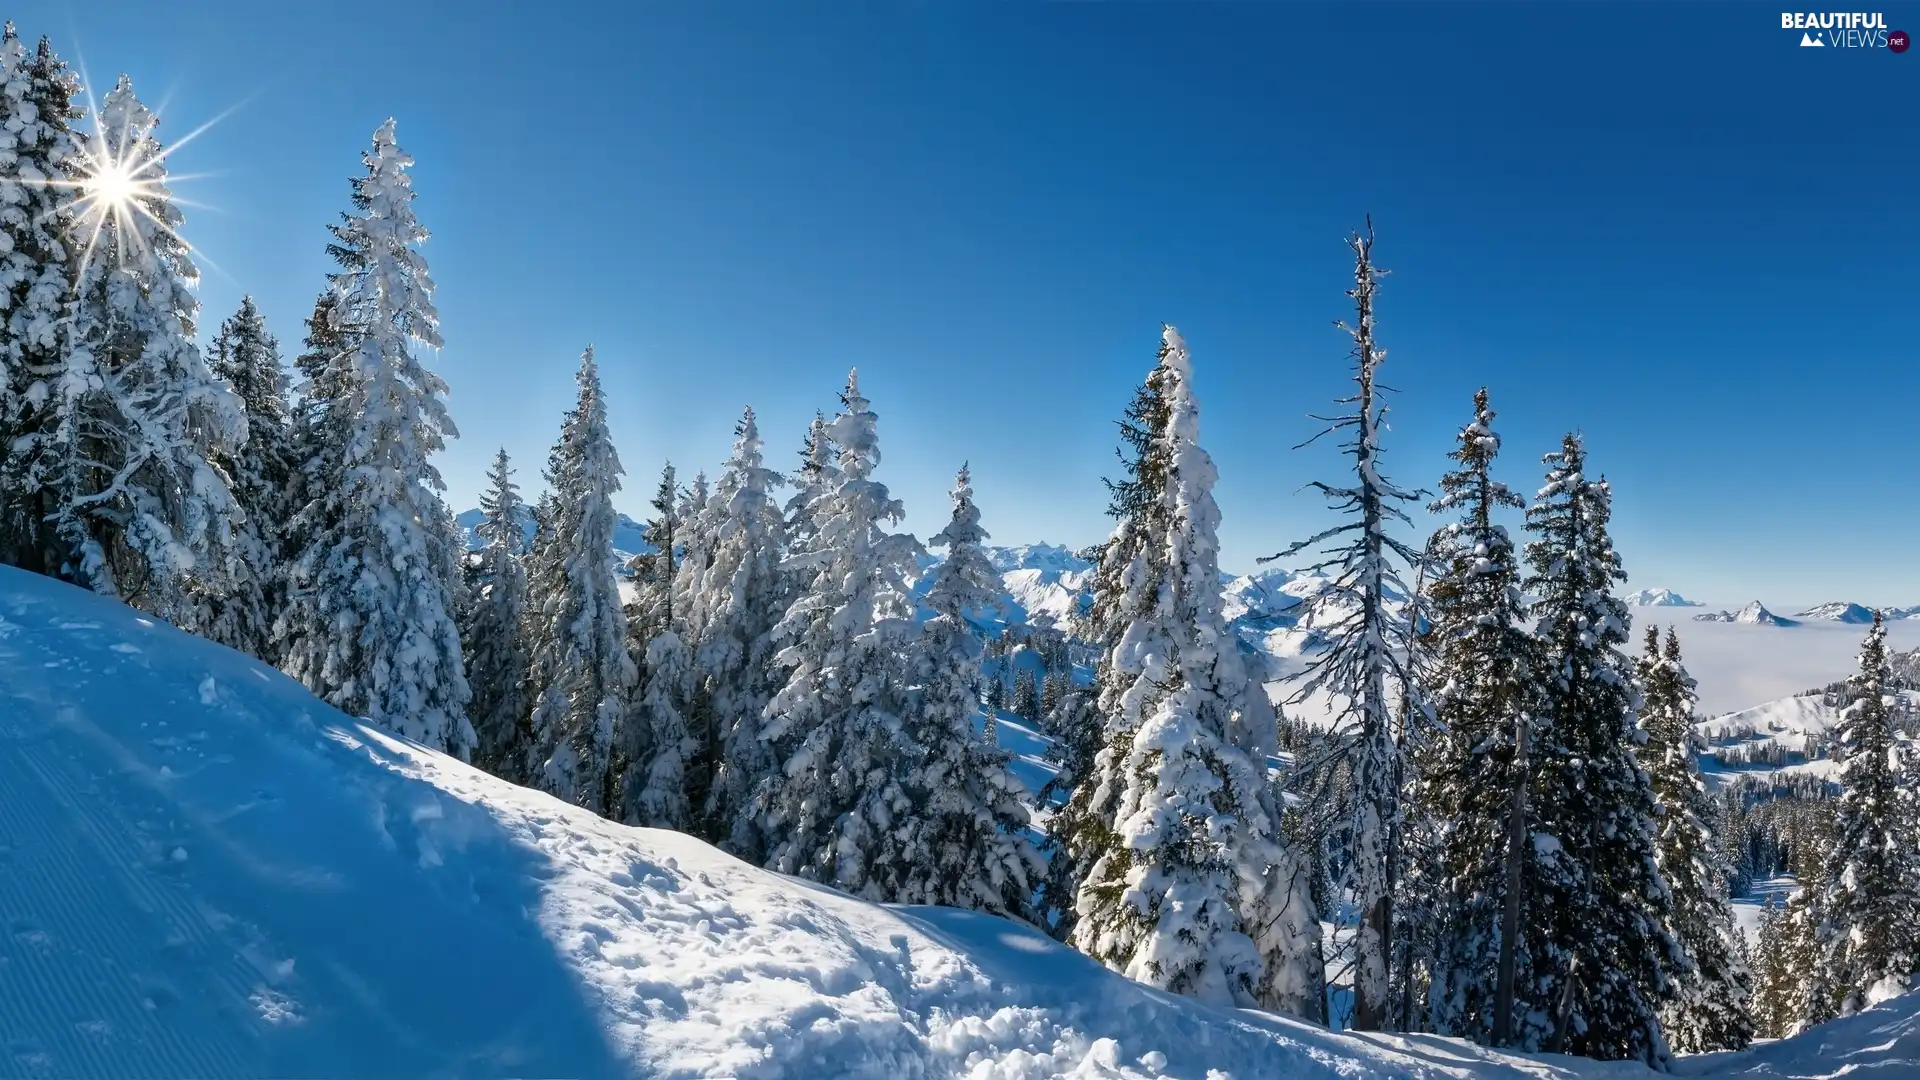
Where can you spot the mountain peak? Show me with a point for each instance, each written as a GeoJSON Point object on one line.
{"type": "Point", "coordinates": [1658, 598]}
{"type": "Point", "coordinates": [1754, 614]}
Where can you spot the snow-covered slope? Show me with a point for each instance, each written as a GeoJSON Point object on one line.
{"type": "Point", "coordinates": [205, 872]}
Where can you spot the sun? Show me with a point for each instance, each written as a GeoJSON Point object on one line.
{"type": "Point", "coordinates": [112, 187]}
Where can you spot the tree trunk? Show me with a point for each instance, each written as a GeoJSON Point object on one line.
{"type": "Point", "coordinates": [1516, 865]}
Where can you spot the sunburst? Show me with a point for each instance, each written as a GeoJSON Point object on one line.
{"type": "Point", "coordinates": [123, 181]}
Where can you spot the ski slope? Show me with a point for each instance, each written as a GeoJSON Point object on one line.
{"type": "Point", "coordinates": [204, 872]}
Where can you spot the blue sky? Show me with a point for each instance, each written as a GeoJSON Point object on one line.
{"type": "Point", "coordinates": [1666, 226]}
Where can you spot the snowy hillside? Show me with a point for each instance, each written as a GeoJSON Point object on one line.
{"type": "Point", "coordinates": [1839, 612]}
{"type": "Point", "coordinates": [208, 873]}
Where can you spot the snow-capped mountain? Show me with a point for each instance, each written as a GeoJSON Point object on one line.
{"type": "Point", "coordinates": [1838, 612]}
{"type": "Point", "coordinates": [1658, 598]}
{"type": "Point", "coordinates": [1754, 614]}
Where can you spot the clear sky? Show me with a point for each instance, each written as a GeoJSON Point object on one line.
{"type": "Point", "coordinates": [1670, 227]}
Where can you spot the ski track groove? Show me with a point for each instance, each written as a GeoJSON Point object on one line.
{"type": "Point", "coordinates": [134, 956]}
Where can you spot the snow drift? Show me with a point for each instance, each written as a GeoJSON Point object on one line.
{"type": "Point", "coordinates": [205, 872]}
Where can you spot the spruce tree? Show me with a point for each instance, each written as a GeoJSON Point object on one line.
{"type": "Point", "coordinates": [1026, 696]}
{"type": "Point", "coordinates": [1364, 667]}
{"type": "Point", "coordinates": [1773, 989]}
{"type": "Point", "coordinates": [817, 474]}
{"type": "Point", "coordinates": [1711, 1009]}
{"type": "Point", "coordinates": [966, 845]}
{"type": "Point", "coordinates": [369, 626]}
{"type": "Point", "coordinates": [241, 613]}
{"type": "Point", "coordinates": [581, 676]}
{"type": "Point", "coordinates": [123, 457]}
{"type": "Point", "coordinates": [490, 633]}
{"type": "Point", "coordinates": [1196, 892]}
{"type": "Point", "coordinates": [39, 158]}
{"type": "Point", "coordinates": [1868, 892]}
{"type": "Point", "coordinates": [1601, 955]}
{"type": "Point", "coordinates": [1473, 776]}
{"type": "Point", "coordinates": [833, 728]}
{"type": "Point", "coordinates": [738, 606]}
{"type": "Point", "coordinates": [1080, 830]}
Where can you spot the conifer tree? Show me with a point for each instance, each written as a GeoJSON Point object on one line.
{"type": "Point", "coordinates": [1026, 696]}
{"type": "Point", "coordinates": [240, 614]}
{"type": "Point", "coordinates": [1773, 996]}
{"type": "Point", "coordinates": [39, 159]}
{"type": "Point", "coordinates": [1600, 950]}
{"type": "Point", "coordinates": [1196, 892]}
{"type": "Point", "coordinates": [581, 677]}
{"type": "Point", "coordinates": [1869, 893]}
{"type": "Point", "coordinates": [1711, 1009]}
{"type": "Point", "coordinates": [1364, 668]}
{"type": "Point", "coordinates": [1473, 779]}
{"type": "Point", "coordinates": [817, 474]}
{"type": "Point", "coordinates": [966, 844]}
{"type": "Point", "coordinates": [834, 728]}
{"type": "Point", "coordinates": [737, 608]}
{"type": "Point", "coordinates": [1806, 939]}
{"type": "Point", "coordinates": [122, 458]}
{"type": "Point", "coordinates": [1089, 752]}
{"type": "Point", "coordinates": [490, 634]}
{"type": "Point", "coordinates": [369, 626]}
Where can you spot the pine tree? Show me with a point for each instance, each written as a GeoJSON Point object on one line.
{"type": "Point", "coordinates": [490, 633]}
{"type": "Point", "coordinates": [1196, 892]}
{"type": "Point", "coordinates": [1600, 951]}
{"type": "Point", "coordinates": [1090, 752]}
{"type": "Point", "coordinates": [967, 824]}
{"type": "Point", "coordinates": [1364, 666]}
{"type": "Point", "coordinates": [369, 626]}
{"type": "Point", "coordinates": [817, 475]}
{"type": "Point", "coordinates": [1711, 1010]}
{"type": "Point", "coordinates": [1773, 988]}
{"type": "Point", "coordinates": [834, 728]}
{"type": "Point", "coordinates": [1026, 696]}
{"type": "Point", "coordinates": [581, 677]}
{"type": "Point", "coordinates": [1869, 892]}
{"type": "Point", "coordinates": [1472, 783]}
{"type": "Point", "coordinates": [39, 157]}
{"type": "Point", "coordinates": [241, 613]}
{"type": "Point", "coordinates": [133, 417]}
{"type": "Point", "coordinates": [737, 608]}
{"type": "Point", "coordinates": [1807, 942]}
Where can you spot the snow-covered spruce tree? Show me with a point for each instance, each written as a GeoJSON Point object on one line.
{"type": "Point", "coordinates": [1869, 892]}
{"type": "Point", "coordinates": [817, 474]}
{"type": "Point", "coordinates": [653, 755]}
{"type": "Point", "coordinates": [1364, 668]}
{"type": "Point", "coordinates": [369, 626]}
{"type": "Point", "coordinates": [1772, 997]}
{"type": "Point", "coordinates": [833, 730]}
{"type": "Point", "coordinates": [39, 154]}
{"type": "Point", "coordinates": [490, 635]}
{"type": "Point", "coordinates": [967, 843]}
{"type": "Point", "coordinates": [1712, 1009]}
{"type": "Point", "coordinates": [1087, 753]}
{"type": "Point", "coordinates": [1806, 937]}
{"type": "Point", "coordinates": [581, 678]}
{"type": "Point", "coordinates": [1197, 893]}
{"type": "Point", "coordinates": [736, 609]}
{"type": "Point", "coordinates": [1471, 782]}
{"type": "Point", "coordinates": [699, 514]}
{"type": "Point", "coordinates": [134, 416]}
{"type": "Point", "coordinates": [1026, 696]}
{"type": "Point", "coordinates": [240, 611]}
{"type": "Point", "coordinates": [1601, 954]}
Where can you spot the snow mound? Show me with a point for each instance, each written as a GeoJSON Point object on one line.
{"type": "Point", "coordinates": [1838, 612]}
{"type": "Point", "coordinates": [1658, 598]}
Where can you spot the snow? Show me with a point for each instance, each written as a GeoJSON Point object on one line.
{"type": "Point", "coordinates": [1658, 598]}
{"type": "Point", "coordinates": [351, 904]}
{"type": "Point", "coordinates": [1754, 614]}
{"type": "Point", "coordinates": [1739, 666]}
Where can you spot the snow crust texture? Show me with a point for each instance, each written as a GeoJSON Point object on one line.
{"type": "Point", "coordinates": [205, 872]}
